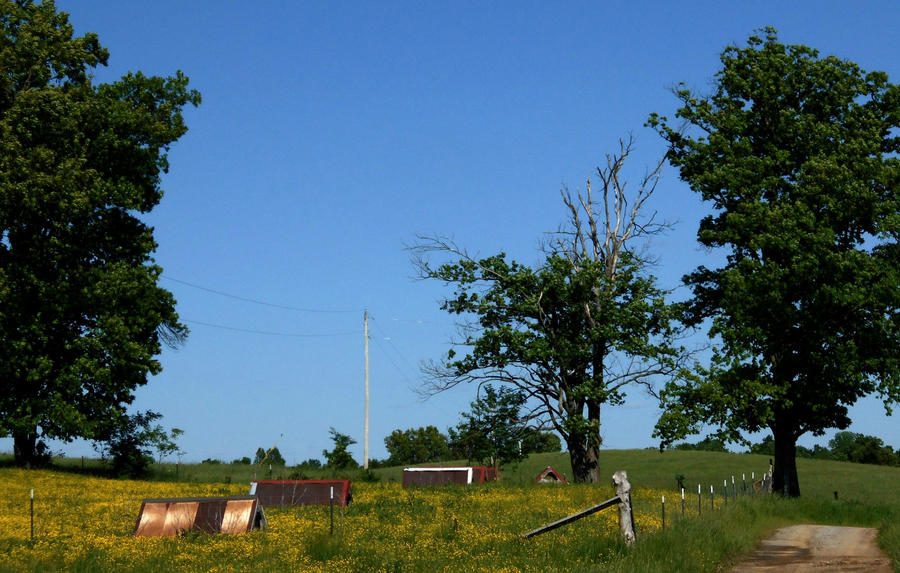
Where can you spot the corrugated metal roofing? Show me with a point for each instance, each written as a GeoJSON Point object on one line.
{"type": "Point", "coordinates": [175, 516]}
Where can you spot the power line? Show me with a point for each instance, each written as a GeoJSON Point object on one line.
{"type": "Point", "coordinates": [390, 342]}
{"type": "Point", "coordinates": [391, 360]}
{"type": "Point", "coordinates": [266, 333]}
{"type": "Point", "coordinates": [256, 301]}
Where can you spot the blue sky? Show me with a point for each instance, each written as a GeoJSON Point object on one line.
{"type": "Point", "coordinates": [332, 133]}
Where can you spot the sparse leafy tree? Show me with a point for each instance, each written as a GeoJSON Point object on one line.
{"type": "Point", "coordinates": [573, 332]}
{"type": "Point", "coordinates": [339, 458]}
{"type": "Point", "coordinates": [82, 316]}
{"type": "Point", "coordinates": [130, 442]}
{"type": "Point", "coordinates": [797, 155]}
{"type": "Point", "coordinates": [491, 432]}
{"type": "Point", "coordinates": [165, 443]}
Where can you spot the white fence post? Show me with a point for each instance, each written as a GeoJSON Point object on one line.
{"type": "Point", "coordinates": [626, 515]}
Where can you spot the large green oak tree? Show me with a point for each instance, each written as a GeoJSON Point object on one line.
{"type": "Point", "coordinates": [82, 317]}
{"type": "Point", "coordinates": [798, 156]}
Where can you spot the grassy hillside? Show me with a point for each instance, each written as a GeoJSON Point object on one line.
{"type": "Point", "coordinates": [819, 479]}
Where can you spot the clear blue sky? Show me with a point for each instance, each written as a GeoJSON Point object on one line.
{"type": "Point", "coordinates": [331, 133]}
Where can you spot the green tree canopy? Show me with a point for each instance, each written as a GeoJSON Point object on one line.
{"type": "Point", "coordinates": [861, 449]}
{"type": "Point", "coordinates": [339, 457]}
{"type": "Point", "coordinates": [272, 456]}
{"type": "Point", "coordinates": [707, 444]}
{"type": "Point", "coordinates": [82, 315]}
{"type": "Point", "coordinates": [492, 431]}
{"type": "Point", "coordinates": [798, 156]}
{"type": "Point", "coordinates": [416, 446]}
{"type": "Point", "coordinates": [133, 438]}
{"type": "Point", "coordinates": [536, 441]}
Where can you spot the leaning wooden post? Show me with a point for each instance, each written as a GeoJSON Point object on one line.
{"type": "Point", "coordinates": [626, 515]}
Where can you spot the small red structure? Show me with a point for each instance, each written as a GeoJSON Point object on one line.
{"type": "Point", "coordinates": [175, 516]}
{"type": "Point", "coordinates": [550, 475]}
{"type": "Point", "coordinates": [413, 477]}
{"type": "Point", "coordinates": [297, 492]}
{"type": "Point", "coordinates": [434, 476]}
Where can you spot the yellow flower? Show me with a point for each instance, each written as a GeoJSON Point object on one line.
{"type": "Point", "coordinates": [88, 523]}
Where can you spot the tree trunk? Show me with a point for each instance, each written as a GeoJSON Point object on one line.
{"type": "Point", "coordinates": [584, 457]}
{"type": "Point", "coordinates": [25, 448]}
{"type": "Point", "coordinates": [593, 441]}
{"type": "Point", "coordinates": [784, 480]}
{"type": "Point", "coordinates": [593, 459]}
{"type": "Point", "coordinates": [584, 442]}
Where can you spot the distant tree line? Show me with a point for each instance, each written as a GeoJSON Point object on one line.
{"type": "Point", "coordinates": [494, 432]}
{"type": "Point", "coordinates": [428, 444]}
{"type": "Point", "coordinates": [843, 447]}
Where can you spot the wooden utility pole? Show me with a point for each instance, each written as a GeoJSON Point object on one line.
{"type": "Point", "coordinates": [366, 430]}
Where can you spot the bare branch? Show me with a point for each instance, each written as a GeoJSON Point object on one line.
{"type": "Point", "coordinates": [540, 333]}
{"type": "Point", "coordinates": [613, 221]}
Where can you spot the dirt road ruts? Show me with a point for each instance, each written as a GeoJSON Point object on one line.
{"type": "Point", "coordinates": [819, 548]}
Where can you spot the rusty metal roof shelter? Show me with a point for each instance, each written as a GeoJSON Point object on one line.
{"type": "Point", "coordinates": [302, 492]}
{"type": "Point", "coordinates": [175, 516]}
{"type": "Point", "coordinates": [550, 475]}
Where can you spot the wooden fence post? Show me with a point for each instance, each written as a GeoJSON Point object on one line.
{"type": "Point", "coordinates": [626, 515]}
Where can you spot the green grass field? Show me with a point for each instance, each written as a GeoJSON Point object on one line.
{"type": "Point", "coordinates": [866, 496]}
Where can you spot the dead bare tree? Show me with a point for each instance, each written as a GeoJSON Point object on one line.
{"type": "Point", "coordinates": [573, 332]}
{"type": "Point", "coordinates": [601, 230]}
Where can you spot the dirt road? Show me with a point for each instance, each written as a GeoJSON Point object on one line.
{"type": "Point", "coordinates": [819, 548]}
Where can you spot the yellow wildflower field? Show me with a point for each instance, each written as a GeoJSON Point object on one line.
{"type": "Point", "coordinates": [87, 523]}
